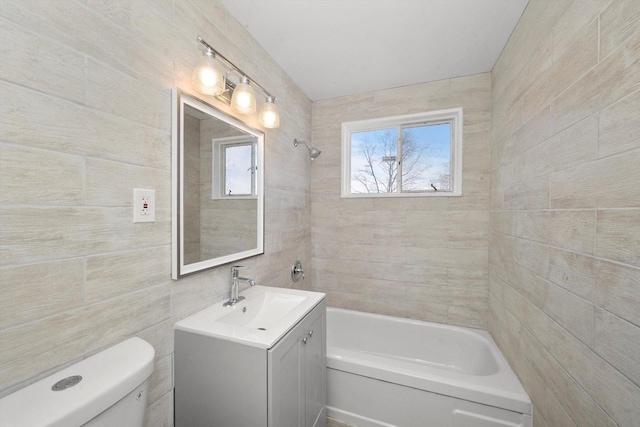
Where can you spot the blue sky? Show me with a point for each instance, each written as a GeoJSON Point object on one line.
{"type": "Point", "coordinates": [434, 139]}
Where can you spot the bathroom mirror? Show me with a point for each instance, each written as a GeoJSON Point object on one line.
{"type": "Point", "coordinates": [218, 187]}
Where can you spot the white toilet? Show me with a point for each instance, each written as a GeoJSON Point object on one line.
{"type": "Point", "coordinates": [112, 392]}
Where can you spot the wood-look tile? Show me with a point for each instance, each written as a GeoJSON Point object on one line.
{"type": "Point", "coordinates": [620, 126]}
{"type": "Point", "coordinates": [25, 183]}
{"type": "Point", "coordinates": [618, 236]}
{"type": "Point", "coordinates": [35, 291]}
{"type": "Point", "coordinates": [41, 345]}
{"type": "Point", "coordinates": [610, 182]}
{"type": "Point", "coordinates": [38, 63]}
{"type": "Point", "coordinates": [618, 341]}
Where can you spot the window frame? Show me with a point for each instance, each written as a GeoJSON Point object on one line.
{"type": "Point", "coordinates": [218, 166]}
{"type": "Point", "coordinates": [453, 115]}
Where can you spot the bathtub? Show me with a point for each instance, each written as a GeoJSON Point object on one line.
{"type": "Point", "coordinates": [387, 371]}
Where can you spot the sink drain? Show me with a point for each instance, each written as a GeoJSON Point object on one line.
{"type": "Point", "coordinates": [262, 329]}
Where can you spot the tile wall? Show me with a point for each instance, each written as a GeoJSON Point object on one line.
{"type": "Point", "coordinates": [85, 106]}
{"type": "Point", "coordinates": [423, 258]}
{"type": "Point", "coordinates": [565, 210]}
{"type": "Point", "coordinates": [85, 118]}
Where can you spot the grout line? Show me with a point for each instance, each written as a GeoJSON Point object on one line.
{"type": "Point", "coordinates": [560, 248]}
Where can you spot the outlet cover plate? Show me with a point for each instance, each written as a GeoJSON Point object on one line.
{"type": "Point", "coordinates": [144, 205]}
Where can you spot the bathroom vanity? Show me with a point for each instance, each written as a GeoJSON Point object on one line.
{"type": "Point", "coordinates": [261, 362]}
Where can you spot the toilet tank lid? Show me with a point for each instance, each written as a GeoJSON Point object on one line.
{"type": "Point", "coordinates": [107, 377]}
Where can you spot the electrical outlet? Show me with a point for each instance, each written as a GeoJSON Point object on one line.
{"type": "Point", "coordinates": [144, 205]}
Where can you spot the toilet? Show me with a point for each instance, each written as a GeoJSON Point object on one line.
{"type": "Point", "coordinates": [105, 390]}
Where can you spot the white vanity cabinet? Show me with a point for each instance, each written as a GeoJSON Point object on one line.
{"type": "Point", "coordinates": [220, 382]}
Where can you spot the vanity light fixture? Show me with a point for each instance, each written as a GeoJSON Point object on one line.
{"type": "Point", "coordinates": [243, 99]}
{"type": "Point", "coordinates": [269, 116]}
{"type": "Point", "coordinates": [210, 78]}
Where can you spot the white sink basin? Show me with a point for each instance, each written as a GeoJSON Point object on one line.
{"type": "Point", "coordinates": [260, 320]}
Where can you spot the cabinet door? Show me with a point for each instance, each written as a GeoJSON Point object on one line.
{"type": "Point", "coordinates": [286, 382]}
{"type": "Point", "coordinates": [297, 374]}
{"type": "Point", "coordinates": [315, 372]}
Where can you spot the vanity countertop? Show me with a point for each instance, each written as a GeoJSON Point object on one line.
{"type": "Point", "coordinates": [260, 320]}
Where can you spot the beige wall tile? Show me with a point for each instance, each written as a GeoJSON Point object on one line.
{"type": "Point", "coordinates": [568, 229]}
{"type": "Point", "coordinates": [136, 270]}
{"type": "Point", "coordinates": [112, 183]}
{"type": "Point", "coordinates": [34, 291]}
{"type": "Point", "coordinates": [160, 336]}
{"type": "Point", "coordinates": [609, 285]}
{"type": "Point", "coordinates": [38, 120]}
{"type": "Point", "coordinates": [617, 23]}
{"type": "Point", "coordinates": [68, 232]}
{"type": "Point", "coordinates": [581, 56]}
{"type": "Point", "coordinates": [431, 312]}
{"type": "Point", "coordinates": [160, 412]}
{"type": "Point", "coordinates": [531, 194]}
{"type": "Point", "coordinates": [161, 380]}
{"type": "Point", "coordinates": [45, 344]}
{"type": "Point", "coordinates": [457, 258]}
{"type": "Point", "coordinates": [40, 64]}
{"type": "Point", "coordinates": [574, 22]}
{"type": "Point", "coordinates": [71, 24]}
{"type": "Point", "coordinates": [601, 419]}
{"type": "Point", "coordinates": [117, 93]}
{"type": "Point", "coordinates": [476, 154]}
{"type": "Point", "coordinates": [574, 400]}
{"type": "Point", "coordinates": [569, 148]}
{"type": "Point", "coordinates": [468, 316]}
{"type": "Point", "coordinates": [620, 126]}
{"type": "Point", "coordinates": [613, 78]}
{"type": "Point", "coordinates": [470, 239]}
{"type": "Point", "coordinates": [423, 274]}
{"type": "Point", "coordinates": [530, 316]}
{"type": "Point", "coordinates": [22, 183]}
{"type": "Point", "coordinates": [370, 253]}
{"type": "Point", "coordinates": [618, 342]}
{"type": "Point", "coordinates": [572, 312]}
{"type": "Point", "coordinates": [556, 413]}
{"type": "Point", "coordinates": [528, 136]}
{"type": "Point", "coordinates": [613, 392]}
{"type": "Point", "coordinates": [550, 193]}
{"type": "Point", "coordinates": [609, 182]}
{"type": "Point", "coordinates": [618, 236]}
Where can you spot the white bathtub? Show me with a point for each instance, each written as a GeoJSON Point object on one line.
{"type": "Point", "coordinates": [387, 371]}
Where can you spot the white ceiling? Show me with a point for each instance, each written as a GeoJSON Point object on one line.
{"type": "Point", "coordinates": [334, 48]}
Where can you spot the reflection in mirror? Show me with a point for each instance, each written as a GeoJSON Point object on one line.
{"type": "Point", "coordinates": [221, 188]}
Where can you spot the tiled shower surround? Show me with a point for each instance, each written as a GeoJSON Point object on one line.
{"type": "Point", "coordinates": [543, 248]}
{"type": "Point", "coordinates": [419, 257]}
{"type": "Point", "coordinates": [564, 251]}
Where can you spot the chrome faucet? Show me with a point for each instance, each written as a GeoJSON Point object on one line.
{"type": "Point", "coordinates": [234, 298]}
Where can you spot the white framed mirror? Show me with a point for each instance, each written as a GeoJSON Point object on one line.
{"type": "Point", "coordinates": [217, 187]}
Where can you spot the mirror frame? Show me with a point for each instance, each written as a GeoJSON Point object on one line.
{"type": "Point", "coordinates": [178, 267]}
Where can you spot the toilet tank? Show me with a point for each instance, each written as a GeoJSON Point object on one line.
{"type": "Point", "coordinates": [112, 391]}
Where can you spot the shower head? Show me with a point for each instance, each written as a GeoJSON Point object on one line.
{"type": "Point", "coordinates": [313, 151]}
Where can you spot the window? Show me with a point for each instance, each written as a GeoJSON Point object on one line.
{"type": "Point", "coordinates": [403, 156]}
{"type": "Point", "coordinates": [234, 166]}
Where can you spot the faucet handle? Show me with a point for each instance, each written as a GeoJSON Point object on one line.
{"type": "Point", "coordinates": [236, 268]}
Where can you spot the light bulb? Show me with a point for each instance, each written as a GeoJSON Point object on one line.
{"type": "Point", "coordinates": [208, 75]}
{"type": "Point", "coordinates": [243, 99]}
{"type": "Point", "coordinates": [269, 116]}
